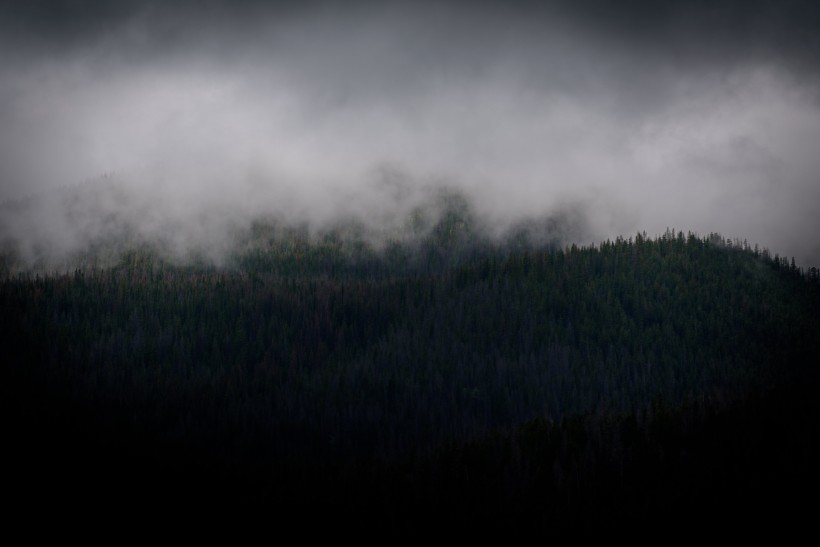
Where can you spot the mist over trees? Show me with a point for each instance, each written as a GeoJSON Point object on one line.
{"type": "Point", "coordinates": [311, 370]}
{"type": "Point", "coordinates": [643, 116]}
{"type": "Point", "coordinates": [410, 264]}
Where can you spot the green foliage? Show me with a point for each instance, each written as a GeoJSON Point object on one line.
{"type": "Point", "coordinates": [304, 351]}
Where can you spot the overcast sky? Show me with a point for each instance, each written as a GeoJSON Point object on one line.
{"type": "Point", "coordinates": [701, 116]}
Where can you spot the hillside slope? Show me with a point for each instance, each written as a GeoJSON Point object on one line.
{"type": "Point", "coordinates": [447, 376]}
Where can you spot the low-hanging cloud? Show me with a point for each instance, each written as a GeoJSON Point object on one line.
{"type": "Point", "coordinates": [204, 122]}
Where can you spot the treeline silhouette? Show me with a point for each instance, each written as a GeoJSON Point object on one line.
{"type": "Point", "coordinates": [447, 380]}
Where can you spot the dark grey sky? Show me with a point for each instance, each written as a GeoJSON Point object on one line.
{"type": "Point", "coordinates": [703, 116]}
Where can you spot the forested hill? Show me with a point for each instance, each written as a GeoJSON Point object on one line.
{"type": "Point", "coordinates": [575, 383]}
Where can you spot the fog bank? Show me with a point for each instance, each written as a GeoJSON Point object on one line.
{"type": "Point", "coordinates": [191, 123]}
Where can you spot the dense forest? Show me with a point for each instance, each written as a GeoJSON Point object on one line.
{"type": "Point", "coordinates": [448, 378]}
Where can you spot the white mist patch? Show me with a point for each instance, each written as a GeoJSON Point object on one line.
{"type": "Point", "coordinates": [320, 120]}
{"type": "Point", "coordinates": [735, 159]}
